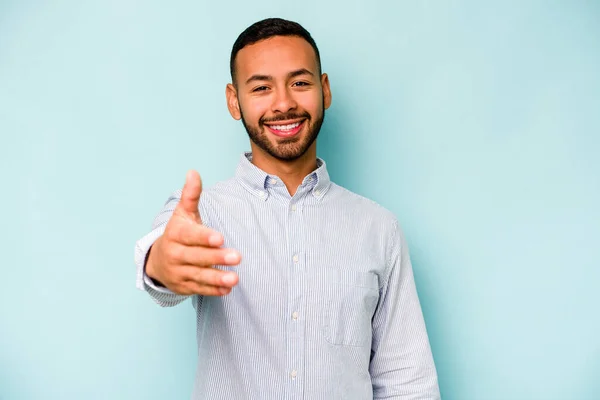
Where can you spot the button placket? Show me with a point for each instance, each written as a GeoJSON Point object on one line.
{"type": "Point", "coordinates": [297, 291]}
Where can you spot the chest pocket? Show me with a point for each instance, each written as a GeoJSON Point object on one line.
{"type": "Point", "coordinates": [351, 300]}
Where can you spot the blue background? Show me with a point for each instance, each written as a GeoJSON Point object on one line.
{"type": "Point", "coordinates": [477, 123]}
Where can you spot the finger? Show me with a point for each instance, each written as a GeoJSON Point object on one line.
{"type": "Point", "coordinates": [191, 288]}
{"type": "Point", "coordinates": [194, 235]}
{"type": "Point", "coordinates": [211, 276]}
{"type": "Point", "coordinates": [206, 256]}
{"type": "Point", "coordinates": [190, 196]}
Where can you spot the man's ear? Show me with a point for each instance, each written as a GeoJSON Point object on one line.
{"type": "Point", "coordinates": [232, 102]}
{"type": "Point", "coordinates": [326, 91]}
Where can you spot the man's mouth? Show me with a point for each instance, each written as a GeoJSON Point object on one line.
{"type": "Point", "coordinates": [285, 128]}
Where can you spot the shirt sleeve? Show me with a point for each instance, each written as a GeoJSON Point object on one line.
{"type": "Point", "coordinates": [402, 365]}
{"type": "Point", "coordinates": [163, 296]}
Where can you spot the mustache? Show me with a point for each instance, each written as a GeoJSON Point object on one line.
{"type": "Point", "coordinates": [284, 117]}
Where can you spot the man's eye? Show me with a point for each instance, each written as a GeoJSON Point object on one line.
{"type": "Point", "coordinates": [300, 84]}
{"type": "Point", "coordinates": [260, 89]}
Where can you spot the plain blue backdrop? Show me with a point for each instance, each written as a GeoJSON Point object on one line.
{"type": "Point", "coordinates": [477, 123]}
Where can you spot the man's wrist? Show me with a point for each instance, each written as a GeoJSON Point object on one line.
{"type": "Point", "coordinates": [149, 270]}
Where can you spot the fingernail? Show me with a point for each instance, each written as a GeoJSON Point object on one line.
{"type": "Point", "coordinates": [231, 258]}
{"type": "Point", "coordinates": [214, 240]}
{"type": "Point", "coordinates": [224, 290]}
{"type": "Point", "coordinates": [228, 279]}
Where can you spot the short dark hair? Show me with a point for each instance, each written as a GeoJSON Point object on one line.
{"type": "Point", "coordinates": [268, 28]}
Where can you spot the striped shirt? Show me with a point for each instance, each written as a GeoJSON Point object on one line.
{"type": "Point", "coordinates": [326, 305]}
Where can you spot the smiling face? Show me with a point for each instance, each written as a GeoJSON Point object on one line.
{"type": "Point", "coordinates": [279, 96]}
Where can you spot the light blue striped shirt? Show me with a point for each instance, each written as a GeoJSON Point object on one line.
{"type": "Point", "coordinates": [326, 305]}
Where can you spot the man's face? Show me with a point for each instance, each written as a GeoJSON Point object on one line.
{"type": "Point", "coordinates": [279, 95]}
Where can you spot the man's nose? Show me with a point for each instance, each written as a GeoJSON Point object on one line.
{"type": "Point", "coordinates": [283, 101]}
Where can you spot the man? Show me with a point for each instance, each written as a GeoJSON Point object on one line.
{"type": "Point", "coordinates": [302, 289]}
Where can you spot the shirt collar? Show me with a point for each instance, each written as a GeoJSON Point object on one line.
{"type": "Point", "coordinates": [257, 181]}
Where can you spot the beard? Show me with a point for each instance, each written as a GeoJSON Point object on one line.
{"type": "Point", "coordinates": [287, 149]}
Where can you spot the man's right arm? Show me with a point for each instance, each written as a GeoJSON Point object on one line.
{"type": "Point", "coordinates": [143, 248]}
{"type": "Point", "coordinates": [175, 260]}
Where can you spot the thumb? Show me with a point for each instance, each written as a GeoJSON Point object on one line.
{"type": "Point", "coordinates": [190, 195]}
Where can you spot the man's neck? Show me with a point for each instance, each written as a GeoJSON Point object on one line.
{"type": "Point", "coordinates": [291, 173]}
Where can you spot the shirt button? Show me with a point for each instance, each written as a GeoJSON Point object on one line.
{"type": "Point", "coordinates": [317, 192]}
{"type": "Point", "coordinates": [295, 258]}
{"type": "Point", "coordinates": [293, 374]}
{"type": "Point", "coordinates": [294, 315]}
{"type": "Point", "coordinates": [293, 207]}
{"type": "Point", "coordinates": [272, 181]}
{"type": "Point", "coordinates": [262, 194]}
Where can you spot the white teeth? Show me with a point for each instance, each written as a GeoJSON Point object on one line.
{"type": "Point", "coordinates": [285, 127]}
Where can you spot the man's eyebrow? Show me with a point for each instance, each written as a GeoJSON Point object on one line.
{"type": "Point", "coordinates": [259, 78]}
{"type": "Point", "coordinates": [298, 72]}
{"type": "Point", "coordinates": [293, 74]}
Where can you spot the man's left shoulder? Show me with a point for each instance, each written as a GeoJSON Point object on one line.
{"type": "Point", "coordinates": [362, 207]}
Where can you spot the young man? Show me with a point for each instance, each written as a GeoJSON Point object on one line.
{"type": "Point", "coordinates": [302, 289]}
